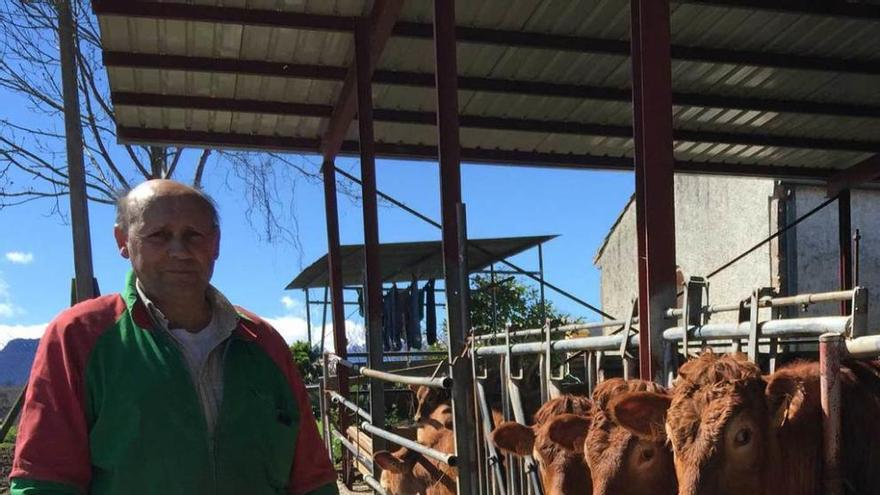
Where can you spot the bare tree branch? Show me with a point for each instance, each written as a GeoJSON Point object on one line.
{"type": "Point", "coordinates": [200, 169]}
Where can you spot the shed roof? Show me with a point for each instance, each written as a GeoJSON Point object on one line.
{"type": "Point", "coordinates": [787, 90]}
{"type": "Point", "coordinates": [403, 261]}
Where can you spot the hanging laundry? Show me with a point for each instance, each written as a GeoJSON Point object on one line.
{"type": "Point", "coordinates": [389, 318]}
{"type": "Point", "coordinates": [414, 321]}
{"type": "Point", "coordinates": [430, 313]}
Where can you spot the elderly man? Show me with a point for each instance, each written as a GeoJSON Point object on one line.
{"type": "Point", "coordinates": [167, 388]}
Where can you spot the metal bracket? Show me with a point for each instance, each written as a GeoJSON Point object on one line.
{"type": "Point", "coordinates": [692, 308]}
{"type": "Point", "coordinates": [754, 327]}
{"type": "Point", "coordinates": [859, 326]}
{"type": "Point", "coordinates": [624, 343]}
{"type": "Point", "coordinates": [509, 357]}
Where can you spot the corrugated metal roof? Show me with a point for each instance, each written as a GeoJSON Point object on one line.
{"type": "Point", "coordinates": [692, 26]}
{"type": "Point", "coordinates": [403, 261]}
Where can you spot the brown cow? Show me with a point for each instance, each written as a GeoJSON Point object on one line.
{"type": "Point", "coordinates": [406, 472]}
{"type": "Point", "coordinates": [620, 463]}
{"type": "Point", "coordinates": [734, 431]}
{"type": "Point", "coordinates": [563, 472]}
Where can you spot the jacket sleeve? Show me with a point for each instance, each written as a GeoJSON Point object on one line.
{"type": "Point", "coordinates": [312, 473]}
{"type": "Point", "coordinates": [52, 449]}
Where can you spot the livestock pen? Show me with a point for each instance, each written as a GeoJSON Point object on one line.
{"type": "Point", "coordinates": [766, 88]}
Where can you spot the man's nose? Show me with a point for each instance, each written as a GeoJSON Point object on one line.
{"type": "Point", "coordinates": [177, 248]}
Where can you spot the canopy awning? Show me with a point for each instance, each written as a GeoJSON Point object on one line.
{"type": "Point", "coordinates": [404, 260]}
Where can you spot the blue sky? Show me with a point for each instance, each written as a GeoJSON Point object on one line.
{"type": "Point", "coordinates": [36, 247]}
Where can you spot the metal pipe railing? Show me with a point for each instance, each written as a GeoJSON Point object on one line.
{"type": "Point", "coordinates": [575, 327]}
{"type": "Point", "coordinates": [338, 399]}
{"type": "Point", "coordinates": [794, 327]}
{"type": "Point", "coordinates": [773, 302]}
{"type": "Point", "coordinates": [355, 451]}
{"type": "Point", "coordinates": [863, 347]}
{"type": "Point", "coordinates": [375, 485]}
{"type": "Point", "coordinates": [433, 382]}
{"type": "Point", "coordinates": [443, 457]}
{"type": "Point", "coordinates": [599, 343]}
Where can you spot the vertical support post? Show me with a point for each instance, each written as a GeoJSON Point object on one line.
{"type": "Point", "coordinates": [454, 241]}
{"type": "Point", "coordinates": [830, 346]}
{"type": "Point", "coordinates": [844, 229]}
{"type": "Point", "coordinates": [373, 275]}
{"type": "Point", "coordinates": [325, 415]}
{"type": "Point", "coordinates": [79, 208]}
{"type": "Point", "coordinates": [308, 317]}
{"type": "Point", "coordinates": [654, 166]}
{"type": "Point", "coordinates": [337, 310]}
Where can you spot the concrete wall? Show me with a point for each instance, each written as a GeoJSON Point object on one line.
{"type": "Point", "coordinates": [716, 219]}
{"type": "Point", "coordinates": [816, 266]}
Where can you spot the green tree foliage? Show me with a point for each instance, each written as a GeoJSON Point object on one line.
{"type": "Point", "coordinates": [308, 360]}
{"type": "Point", "coordinates": [511, 301]}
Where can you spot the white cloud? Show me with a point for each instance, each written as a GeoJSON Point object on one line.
{"type": "Point", "coordinates": [12, 332]}
{"type": "Point", "coordinates": [8, 309]}
{"type": "Point", "coordinates": [19, 257]}
{"type": "Point", "coordinates": [293, 328]}
{"type": "Point", "coordinates": [290, 303]}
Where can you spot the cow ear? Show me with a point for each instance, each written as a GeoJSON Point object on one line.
{"type": "Point", "coordinates": [642, 413]}
{"type": "Point", "coordinates": [389, 462]}
{"type": "Point", "coordinates": [785, 398]}
{"type": "Point", "coordinates": [514, 438]}
{"type": "Point", "coordinates": [569, 431]}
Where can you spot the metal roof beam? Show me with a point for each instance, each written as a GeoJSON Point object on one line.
{"type": "Point", "coordinates": [382, 20]}
{"type": "Point", "coordinates": [486, 122]}
{"type": "Point", "coordinates": [865, 171]}
{"type": "Point", "coordinates": [223, 15]}
{"type": "Point", "coordinates": [852, 10]}
{"type": "Point", "coordinates": [507, 86]}
{"type": "Point", "coordinates": [470, 155]}
{"type": "Point", "coordinates": [582, 44]}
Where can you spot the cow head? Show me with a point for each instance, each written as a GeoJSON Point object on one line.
{"type": "Point", "coordinates": [562, 469]}
{"type": "Point", "coordinates": [721, 422]}
{"type": "Point", "coordinates": [428, 400]}
{"type": "Point", "coordinates": [397, 472]}
{"type": "Point", "coordinates": [620, 461]}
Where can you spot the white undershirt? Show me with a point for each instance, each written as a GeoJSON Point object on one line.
{"type": "Point", "coordinates": [197, 345]}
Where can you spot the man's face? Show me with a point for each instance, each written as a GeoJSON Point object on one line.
{"type": "Point", "coordinates": [172, 243]}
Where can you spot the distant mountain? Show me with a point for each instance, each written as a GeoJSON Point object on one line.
{"type": "Point", "coordinates": [16, 359]}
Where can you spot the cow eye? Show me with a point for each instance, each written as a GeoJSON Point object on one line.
{"type": "Point", "coordinates": [646, 455]}
{"type": "Point", "coordinates": [743, 437]}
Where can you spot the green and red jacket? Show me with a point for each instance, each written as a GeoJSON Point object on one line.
{"type": "Point", "coordinates": [111, 409]}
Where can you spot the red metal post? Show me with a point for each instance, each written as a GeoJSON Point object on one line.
{"type": "Point", "coordinates": [373, 275]}
{"type": "Point", "coordinates": [454, 244]}
{"type": "Point", "coordinates": [334, 260]}
{"type": "Point", "coordinates": [830, 348]}
{"type": "Point", "coordinates": [844, 228]}
{"type": "Point", "coordinates": [654, 164]}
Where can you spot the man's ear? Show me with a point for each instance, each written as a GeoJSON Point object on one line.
{"type": "Point", "coordinates": [121, 241]}
{"type": "Point", "coordinates": [642, 413]}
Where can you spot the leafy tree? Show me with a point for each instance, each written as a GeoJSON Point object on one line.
{"type": "Point", "coordinates": [308, 359]}
{"type": "Point", "coordinates": [509, 300]}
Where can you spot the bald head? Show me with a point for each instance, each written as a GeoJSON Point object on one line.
{"type": "Point", "coordinates": [132, 204]}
